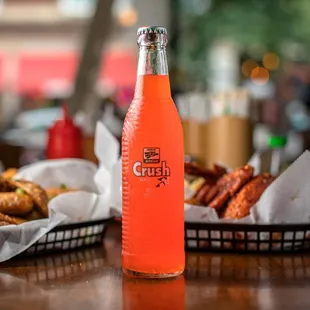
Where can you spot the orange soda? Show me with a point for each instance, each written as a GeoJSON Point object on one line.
{"type": "Point", "coordinates": [152, 169]}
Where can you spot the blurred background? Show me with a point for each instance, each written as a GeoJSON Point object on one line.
{"type": "Point", "coordinates": [237, 64]}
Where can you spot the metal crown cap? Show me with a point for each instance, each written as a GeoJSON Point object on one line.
{"type": "Point", "coordinates": [152, 29]}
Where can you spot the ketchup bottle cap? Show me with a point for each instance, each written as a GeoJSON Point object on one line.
{"type": "Point", "coordinates": [65, 123]}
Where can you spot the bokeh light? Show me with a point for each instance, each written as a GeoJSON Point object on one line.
{"type": "Point", "coordinates": [271, 61]}
{"type": "Point", "coordinates": [247, 67]}
{"type": "Point", "coordinates": [260, 75]}
{"type": "Point", "coordinates": [128, 18]}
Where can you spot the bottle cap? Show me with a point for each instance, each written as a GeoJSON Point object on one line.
{"type": "Point", "coordinates": [64, 123]}
{"type": "Point", "coordinates": [277, 141]}
{"type": "Point", "coordinates": [152, 29]}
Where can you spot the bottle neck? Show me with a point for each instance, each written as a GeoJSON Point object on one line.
{"type": "Point", "coordinates": [152, 61]}
{"type": "Point", "coordinates": [152, 72]}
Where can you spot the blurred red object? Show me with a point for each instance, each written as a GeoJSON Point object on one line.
{"type": "Point", "coordinates": [64, 138]}
{"type": "Point", "coordinates": [124, 96]}
{"type": "Point", "coordinates": [39, 71]}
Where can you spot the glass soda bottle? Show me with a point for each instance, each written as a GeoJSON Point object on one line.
{"type": "Point", "coordinates": [152, 168]}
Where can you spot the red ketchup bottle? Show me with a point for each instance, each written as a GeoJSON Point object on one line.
{"type": "Point", "coordinates": [64, 138]}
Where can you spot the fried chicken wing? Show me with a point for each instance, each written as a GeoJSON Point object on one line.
{"type": "Point", "coordinates": [213, 191]}
{"type": "Point", "coordinates": [208, 174]}
{"type": "Point", "coordinates": [196, 186]}
{"type": "Point", "coordinates": [219, 170]}
{"type": "Point", "coordinates": [241, 204]}
{"type": "Point", "coordinates": [207, 188]}
{"type": "Point", "coordinates": [36, 192]}
{"type": "Point", "coordinates": [11, 219]}
{"type": "Point", "coordinates": [3, 223]}
{"type": "Point", "coordinates": [219, 200]}
{"type": "Point", "coordinates": [200, 194]}
{"type": "Point", "coordinates": [5, 185]}
{"type": "Point", "coordinates": [33, 215]}
{"type": "Point", "coordinates": [9, 173]}
{"type": "Point", "coordinates": [229, 185]}
{"type": "Point", "coordinates": [15, 203]}
{"type": "Point", "coordinates": [235, 179]}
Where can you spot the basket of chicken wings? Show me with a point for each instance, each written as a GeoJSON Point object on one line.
{"type": "Point", "coordinates": [243, 211]}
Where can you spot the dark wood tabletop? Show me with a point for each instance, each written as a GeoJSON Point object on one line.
{"type": "Point", "coordinates": [92, 279]}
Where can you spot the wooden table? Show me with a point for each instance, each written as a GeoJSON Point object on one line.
{"type": "Point", "coordinates": [91, 279]}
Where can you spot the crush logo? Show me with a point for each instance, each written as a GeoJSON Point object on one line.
{"type": "Point", "coordinates": [139, 170]}
{"type": "Point", "coordinates": [146, 168]}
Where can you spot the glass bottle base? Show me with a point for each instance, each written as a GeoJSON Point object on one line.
{"type": "Point", "coordinates": [136, 274]}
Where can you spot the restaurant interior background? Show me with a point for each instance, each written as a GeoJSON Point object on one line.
{"type": "Point", "coordinates": [221, 53]}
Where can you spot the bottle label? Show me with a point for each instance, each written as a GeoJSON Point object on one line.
{"type": "Point", "coordinates": [151, 156]}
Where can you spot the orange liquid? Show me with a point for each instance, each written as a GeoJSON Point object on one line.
{"type": "Point", "coordinates": [153, 182]}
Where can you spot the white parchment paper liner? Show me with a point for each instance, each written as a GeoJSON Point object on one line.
{"type": "Point", "coordinates": [74, 173]}
{"type": "Point", "coordinates": [89, 202]}
{"type": "Point", "coordinates": [287, 199]}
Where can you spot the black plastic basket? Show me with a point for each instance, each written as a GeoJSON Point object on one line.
{"type": "Point", "coordinates": [252, 238]}
{"type": "Point", "coordinates": [69, 237]}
